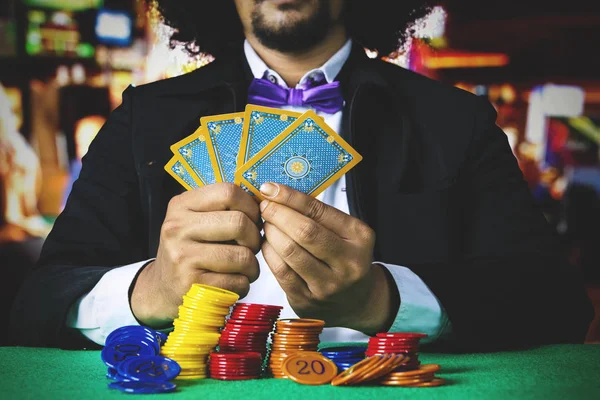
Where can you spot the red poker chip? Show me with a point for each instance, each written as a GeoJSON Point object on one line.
{"type": "Point", "coordinates": [248, 322]}
{"type": "Point", "coordinates": [393, 346]}
{"type": "Point", "coordinates": [393, 340]}
{"type": "Point", "coordinates": [413, 349]}
{"type": "Point", "coordinates": [252, 343]}
{"type": "Point", "coordinates": [403, 335]}
{"type": "Point", "coordinates": [235, 377]}
{"type": "Point", "coordinates": [234, 370]}
{"type": "Point", "coordinates": [235, 342]}
{"type": "Point", "coordinates": [248, 328]}
{"type": "Point", "coordinates": [254, 317]}
{"type": "Point", "coordinates": [236, 366]}
{"type": "Point", "coordinates": [250, 362]}
{"type": "Point", "coordinates": [391, 350]}
{"type": "Point", "coordinates": [259, 348]}
{"type": "Point", "coordinates": [255, 311]}
{"type": "Point", "coordinates": [235, 355]}
{"type": "Point", "coordinates": [252, 313]}
{"type": "Point", "coordinates": [390, 345]}
{"type": "Point", "coordinates": [244, 335]}
{"type": "Point", "coordinates": [248, 339]}
{"type": "Point", "coordinates": [256, 305]}
{"type": "Point", "coordinates": [233, 349]}
{"type": "Point", "coordinates": [234, 373]}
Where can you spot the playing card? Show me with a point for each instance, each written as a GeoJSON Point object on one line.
{"type": "Point", "coordinates": [176, 169]}
{"type": "Point", "coordinates": [308, 156]}
{"type": "Point", "coordinates": [261, 125]}
{"type": "Point", "coordinates": [223, 141]}
{"type": "Point", "coordinates": [193, 150]}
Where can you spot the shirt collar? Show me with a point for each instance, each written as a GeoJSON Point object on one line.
{"type": "Point", "coordinates": [329, 70]}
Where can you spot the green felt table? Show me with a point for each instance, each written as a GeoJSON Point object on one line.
{"type": "Point", "coordinates": [551, 372]}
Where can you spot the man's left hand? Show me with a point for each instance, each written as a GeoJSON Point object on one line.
{"type": "Point", "coordinates": [322, 258]}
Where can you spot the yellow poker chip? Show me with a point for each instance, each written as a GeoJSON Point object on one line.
{"type": "Point", "coordinates": [198, 321]}
{"type": "Point", "coordinates": [177, 344]}
{"type": "Point", "coordinates": [208, 336]}
{"type": "Point", "coordinates": [184, 329]}
{"type": "Point", "coordinates": [205, 301]}
{"type": "Point", "coordinates": [205, 309]}
{"type": "Point", "coordinates": [184, 377]}
{"type": "Point", "coordinates": [205, 335]}
{"type": "Point", "coordinates": [202, 319]}
{"type": "Point", "coordinates": [222, 293]}
{"type": "Point", "coordinates": [218, 306]}
{"type": "Point", "coordinates": [197, 324]}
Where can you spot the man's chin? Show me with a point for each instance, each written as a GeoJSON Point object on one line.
{"type": "Point", "coordinates": [276, 15]}
{"type": "Point", "coordinates": [294, 28]}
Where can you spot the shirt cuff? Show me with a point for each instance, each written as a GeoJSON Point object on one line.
{"type": "Point", "coordinates": [106, 307]}
{"type": "Point", "coordinates": [420, 311]}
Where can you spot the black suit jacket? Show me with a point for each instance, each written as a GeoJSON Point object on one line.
{"type": "Point", "coordinates": [438, 183]}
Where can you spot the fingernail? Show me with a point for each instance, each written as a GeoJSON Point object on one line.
{"type": "Point", "coordinates": [263, 205]}
{"type": "Point", "coordinates": [269, 189]}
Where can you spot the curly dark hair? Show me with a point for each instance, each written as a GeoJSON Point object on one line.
{"type": "Point", "coordinates": [213, 26]}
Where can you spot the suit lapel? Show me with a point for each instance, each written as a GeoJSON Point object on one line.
{"type": "Point", "coordinates": [377, 124]}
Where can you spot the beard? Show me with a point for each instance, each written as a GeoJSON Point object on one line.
{"type": "Point", "coordinates": [292, 36]}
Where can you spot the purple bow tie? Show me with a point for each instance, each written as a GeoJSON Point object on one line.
{"type": "Point", "coordinates": [327, 98]}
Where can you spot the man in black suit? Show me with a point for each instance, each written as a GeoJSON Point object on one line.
{"type": "Point", "coordinates": [436, 230]}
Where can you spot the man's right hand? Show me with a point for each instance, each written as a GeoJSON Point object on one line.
{"type": "Point", "coordinates": [210, 235]}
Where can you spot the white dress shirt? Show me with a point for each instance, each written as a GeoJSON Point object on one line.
{"type": "Point", "coordinates": [106, 307]}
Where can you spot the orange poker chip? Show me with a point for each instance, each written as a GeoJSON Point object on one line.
{"type": "Point", "coordinates": [351, 373]}
{"type": "Point", "coordinates": [365, 372]}
{"type": "Point", "coordinates": [309, 368]}
{"type": "Point", "coordinates": [433, 383]}
{"type": "Point", "coordinates": [423, 369]}
{"type": "Point", "coordinates": [390, 363]}
{"type": "Point", "coordinates": [300, 323]}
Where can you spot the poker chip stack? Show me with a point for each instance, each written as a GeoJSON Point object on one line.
{"type": "Point", "coordinates": [196, 330]}
{"type": "Point", "coordinates": [130, 353]}
{"type": "Point", "coordinates": [344, 357]}
{"type": "Point", "coordinates": [397, 343]}
{"type": "Point", "coordinates": [424, 376]}
{"type": "Point", "coordinates": [127, 342]}
{"type": "Point", "coordinates": [235, 366]}
{"type": "Point", "coordinates": [248, 327]}
{"type": "Point", "coordinates": [291, 336]}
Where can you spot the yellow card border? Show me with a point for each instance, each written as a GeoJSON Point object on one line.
{"type": "Point", "coordinates": [246, 129]}
{"type": "Point", "coordinates": [168, 168]}
{"type": "Point", "coordinates": [174, 147]}
{"type": "Point", "coordinates": [211, 146]}
{"type": "Point", "coordinates": [308, 114]}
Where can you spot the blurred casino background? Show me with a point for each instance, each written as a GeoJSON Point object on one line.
{"type": "Point", "coordinates": [64, 64]}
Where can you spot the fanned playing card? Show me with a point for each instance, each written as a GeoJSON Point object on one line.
{"type": "Point", "coordinates": [308, 156]}
{"type": "Point", "coordinates": [193, 150]}
{"type": "Point", "coordinates": [261, 125]}
{"type": "Point", "coordinates": [176, 169]}
{"type": "Point", "coordinates": [223, 141]}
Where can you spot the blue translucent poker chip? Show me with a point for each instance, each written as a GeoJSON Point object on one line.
{"type": "Point", "coordinates": [343, 351]}
{"type": "Point", "coordinates": [120, 350]}
{"type": "Point", "coordinates": [162, 337]}
{"type": "Point", "coordinates": [143, 387]}
{"type": "Point", "coordinates": [344, 364]}
{"type": "Point", "coordinates": [149, 369]}
{"type": "Point", "coordinates": [346, 360]}
{"type": "Point", "coordinates": [120, 378]}
{"type": "Point", "coordinates": [136, 337]}
{"type": "Point", "coordinates": [130, 329]}
{"type": "Point", "coordinates": [111, 374]}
